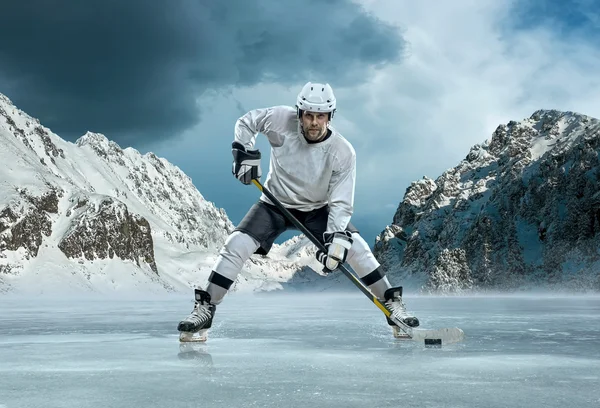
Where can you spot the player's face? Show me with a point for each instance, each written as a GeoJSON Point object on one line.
{"type": "Point", "coordinates": [314, 125]}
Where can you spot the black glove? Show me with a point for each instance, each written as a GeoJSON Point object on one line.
{"type": "Point", "coordinates": [337, 245]}
{"type": "Point", "coordinates": [246, 163]}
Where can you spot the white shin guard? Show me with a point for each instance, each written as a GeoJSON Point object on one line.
{"type": "Point", "coordinates": [362, 260]}
{"type": "Point", "coordinates": [238, 248]}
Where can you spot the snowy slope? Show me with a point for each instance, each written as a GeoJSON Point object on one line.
{"type": "Point", "coordinates": [93, 216]}
{"type": "Point", "coordinates": [521, 211]}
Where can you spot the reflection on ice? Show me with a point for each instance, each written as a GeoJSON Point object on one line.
{"type": "Point", "coordinates": [196, 352]}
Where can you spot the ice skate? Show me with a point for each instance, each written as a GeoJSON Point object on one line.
{"type": "Point", "coordinates": [194, 328]}
{"type": "Point", "coordinates": [393, 300]}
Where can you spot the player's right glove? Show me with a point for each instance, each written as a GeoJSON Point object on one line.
{"type": "Point", "coordinates": [246, 163]}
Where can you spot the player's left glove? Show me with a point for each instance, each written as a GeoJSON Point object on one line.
{"type": "Point", "coordinates": [337, 245]}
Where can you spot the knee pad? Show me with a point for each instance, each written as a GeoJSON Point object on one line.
{"type": "Point", "coordinates": [360, 257]}
{"type": "Point", "coordinates": [237, 249]}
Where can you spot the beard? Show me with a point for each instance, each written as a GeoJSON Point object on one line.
{"type": "Point", "coordinates": [313, 134]}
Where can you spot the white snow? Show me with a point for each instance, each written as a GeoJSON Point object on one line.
{"type": "Point", "coordinates": [540, 146]}
{"type": "Point", "coordinates": [569, 128]}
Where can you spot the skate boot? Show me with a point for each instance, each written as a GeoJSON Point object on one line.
{"type": "Point", "coordinates": [194, 327]}
{"type": "Point", "coordinates": [393, 300]}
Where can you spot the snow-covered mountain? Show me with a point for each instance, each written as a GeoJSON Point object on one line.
{"type": "Point", "coordinates": [93, 216]}
{"type": "Point", "coordinates": [522, 210]}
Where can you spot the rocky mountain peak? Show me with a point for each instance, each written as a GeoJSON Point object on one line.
{"type": "Point", "coordinates": [93, 201]}
{"type": "Point", "coordinates": [520, 210]}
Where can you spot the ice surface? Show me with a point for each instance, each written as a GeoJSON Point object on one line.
{"type": "Point", "coordinates": [298, 350]}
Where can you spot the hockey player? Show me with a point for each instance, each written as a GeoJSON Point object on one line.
{"type": "Point", "coordinates": [312, 172]}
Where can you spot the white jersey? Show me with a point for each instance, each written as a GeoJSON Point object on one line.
{"type": "Point", "coordinates": [303, 175]}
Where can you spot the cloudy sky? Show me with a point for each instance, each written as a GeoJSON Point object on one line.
{"type": "Point", "coordinates": [418, 83]}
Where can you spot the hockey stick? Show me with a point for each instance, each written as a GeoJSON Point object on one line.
{"type": "Point", "coordinates": [429, 336]}
{"type": "Point", "coordinates": [407, 329]}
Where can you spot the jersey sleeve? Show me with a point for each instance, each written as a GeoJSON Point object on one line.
{"type": "Point", "coordinates": [268, 121]}
{"type": "Point", "coordinates": [341, 193]}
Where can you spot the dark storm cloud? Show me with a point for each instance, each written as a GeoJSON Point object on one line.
{"type": "Point", "coordinates": [134, 68]}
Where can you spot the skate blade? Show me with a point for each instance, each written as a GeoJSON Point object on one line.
{"type": "Point", "coordinates": [194, 337]}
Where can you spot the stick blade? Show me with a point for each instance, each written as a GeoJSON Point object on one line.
{"type": "Point", "coordinates": [448, 335]}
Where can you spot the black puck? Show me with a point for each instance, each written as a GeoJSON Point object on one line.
{"type": "Point", "coordinates": [433, 342]}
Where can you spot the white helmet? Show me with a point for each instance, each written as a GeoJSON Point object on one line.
{"type": "Point", "coordinates": [316, 98]}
